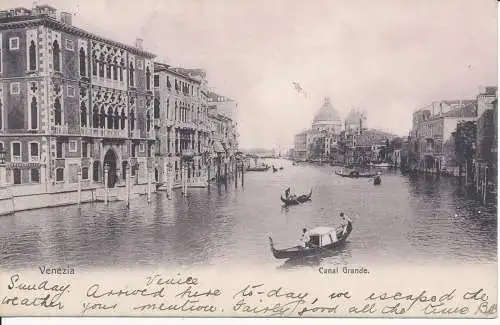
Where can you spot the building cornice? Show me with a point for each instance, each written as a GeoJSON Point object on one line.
{"type": "Point", "coordinates": [53, 23]}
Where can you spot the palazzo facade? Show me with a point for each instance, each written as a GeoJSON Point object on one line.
{"type": "Point", "coordinates": [71, 103]}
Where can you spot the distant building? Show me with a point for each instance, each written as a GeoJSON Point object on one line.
{"type": "Point", "coordinates": [327, 119]}
{"type": "Point", "coordinates": [224, 135]}
{"type": "Point", "coordinates": [354, 123]}
{"type": "Point", "coordinates": [300, 146]}
{"type": "Point", "coordinates": [431, 140]}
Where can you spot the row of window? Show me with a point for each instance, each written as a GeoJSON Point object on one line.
{"type": "Point", "coordinates": [15, 89]}
{"type": "Point", "coordinates": [179, 85]}
{"type": "Point", "coordinates": [34, 149]}
{"type": "Point", "coordinates": [14, 44]}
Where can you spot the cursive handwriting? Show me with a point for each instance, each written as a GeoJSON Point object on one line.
{"type": "Point", "coordinates": [95, 291]}
{"type": "Point", "coordinates": [50, 294]}
{"type": "Point", "coordinates": [189, 305]}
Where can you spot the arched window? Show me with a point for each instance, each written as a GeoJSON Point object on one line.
{"type": "Point", "coordinates": [115, 69]}
{"type": "Point", "coordinates": [131, 74]}
{"type": "Point", "coordinates": [122, 65]}
{"type": "Point", "coordinates": [94, 64]}
{"type": "Point", "coordinates": [132, 120]}
{"type": "Point", "coordinates": [156, 112]}
{"type": "Point", "coordinates": [148, 79]}
{"type": "Point", "coordinates": [56, 56]}
{"type": "Point", "coordinates": [168, 104]}
{"type": "Point", "coordinates": [101, 66]}
{"type": "Point", "coordinates": [102, 118]}
{"type": "Point", "coordinates": [148, 121]}
{"type": "Point", "coordinates": [123, 117]}
{"type": "Point", "coordinates": [124, 169]}
{"type": "Point", "coordinates": [95, 171]}
{"type": "Point", "coordinates": [117, 119]}
{"type": "Point", "coordinates": [57, 112]}
{"type": "Point", "coordinates": [83, 114]}
{"type": "Point", "coordinates": [32, 53]}
{"type": "Point", "coordinates": [34, 113]}
{"type": "Point", "coordinates": [110, 118]}
{"type": "Point", "coordinates": [95, 117]}
{"type": "Point", "coordinates": [108, 67]}
{"type": "Point", "coordinates": [85, 173]}
{"type": "Point", "coordinates": [83, 69]}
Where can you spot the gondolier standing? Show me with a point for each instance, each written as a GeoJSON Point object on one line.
{"type": "Point", "coordinates": [305, 238]}
{"type": "Point", "coordinates": [344, 222]}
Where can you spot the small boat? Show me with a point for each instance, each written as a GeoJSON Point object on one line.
{"type": "Point", "coordinates": [257, 169]}
{"type": "Point", "coordinates": [275, 169]}
{"type": "Point", "coordinates": [321, 239]}
{"type": "Point", "coordinates": [377, 180]}
{"type": "Point", "coordinates": [381, 165]}
{"type": "Point", "coordinates": [281, 168]}
{"type": "Point", "coordinates": [355, 174]}
{"type": "Point", "coordinates": [299, 199]}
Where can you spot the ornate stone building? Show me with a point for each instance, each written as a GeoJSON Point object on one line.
{"type": "Point", "coordinates": [182, 129]}
{"type": "Point", "coordinates": [72, 102]}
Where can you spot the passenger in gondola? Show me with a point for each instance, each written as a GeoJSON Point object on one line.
{"type": "Point", "coordinates": [305, 239]}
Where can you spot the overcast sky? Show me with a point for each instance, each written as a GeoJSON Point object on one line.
{"type": "Point", "coordinates": [385, 57]}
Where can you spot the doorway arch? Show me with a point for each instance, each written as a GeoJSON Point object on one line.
{"type": "Point", "coordinates": [110, 159]}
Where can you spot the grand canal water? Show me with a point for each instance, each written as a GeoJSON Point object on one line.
{"type": "Point", "coordinates": [420, 220]}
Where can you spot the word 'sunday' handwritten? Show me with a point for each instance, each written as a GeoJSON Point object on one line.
{"type": "Point", "coordinates": [187, 295]}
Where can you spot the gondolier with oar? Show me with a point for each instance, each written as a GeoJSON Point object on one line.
{"type": "Point", "coordinates": [305, 239]}
{"type": "Point", "coordinates": [344, 222]}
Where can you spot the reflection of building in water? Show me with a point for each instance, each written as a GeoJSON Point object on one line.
{"type": "Point", "coordinates": [71, 103]}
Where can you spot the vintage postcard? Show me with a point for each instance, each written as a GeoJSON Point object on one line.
{"type": "Point", "coordinates": [249, 158]}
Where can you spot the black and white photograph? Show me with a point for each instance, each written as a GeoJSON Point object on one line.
{"type": "Point", "coordinates": [278, 158]}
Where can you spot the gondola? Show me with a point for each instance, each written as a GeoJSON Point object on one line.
{"type": "Point", "coordinates": [281, 168]}
{"type": "Point", "coordinates": [377, 180]}
{"type": "Point", "coordinates": [275, 169]}
{"type": "Point", "coordinates": [257, 169]}
{"type": "Point", "coordinates": [300, 199]}
{"type": "Point", "coordinates": [356, 174]}
{"type": "Point", "coordinates": [321, 242]}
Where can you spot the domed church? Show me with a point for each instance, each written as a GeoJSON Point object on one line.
{"type": "Point", "coordinates": [327, 119]}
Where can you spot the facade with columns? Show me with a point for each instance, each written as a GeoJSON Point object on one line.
{"type": "Point", "coordinates": [72, 102]}
{"type": "Point", "coordinates": [181, 124]}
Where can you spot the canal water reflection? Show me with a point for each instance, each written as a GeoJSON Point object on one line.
{"type": "Point", "coordinates": [405, 220]}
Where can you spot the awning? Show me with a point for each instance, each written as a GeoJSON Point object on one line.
{"type": "Point", "coordinates": [218, 146]}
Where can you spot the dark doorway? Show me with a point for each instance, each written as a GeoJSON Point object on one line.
{"type": "Point", "coordinates": [110, 161]}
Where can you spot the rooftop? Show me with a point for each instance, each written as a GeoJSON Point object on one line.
{"type": "Point", "coordinates": [326, 113]}
{"type": "Point", "coordinates": [37, 17]}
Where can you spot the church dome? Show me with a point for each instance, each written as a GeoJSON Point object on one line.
{"type": "Point", "coordinates": [326, 113]}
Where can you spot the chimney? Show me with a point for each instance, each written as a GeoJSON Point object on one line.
{"type": "Point", "coordinates": [138, 43]}
{"type": "Point", "coordinates": [66, 18]}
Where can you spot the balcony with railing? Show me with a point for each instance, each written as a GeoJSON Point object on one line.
{"type": "Point", "coordinates": [16, 159]}
{"type": "Point", "coordinates": [135, 134]}
{"type": "Point", "coordinates": [60, 129]}
{"type": "Point", "coordinates": [35, 159]}
{"type": "Point", "coordinates": [103, 133]}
